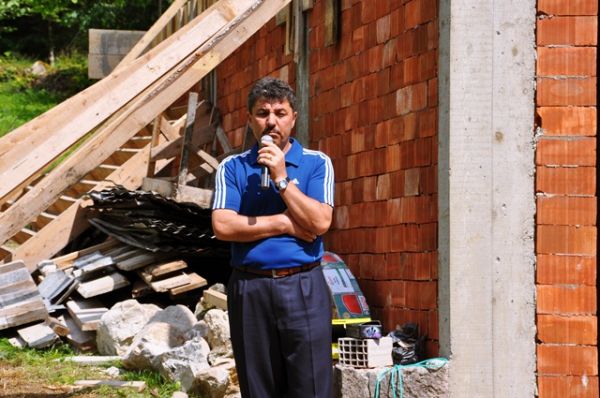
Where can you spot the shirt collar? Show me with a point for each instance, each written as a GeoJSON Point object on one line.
{"type": "Point", "coordinates": [293, 156]}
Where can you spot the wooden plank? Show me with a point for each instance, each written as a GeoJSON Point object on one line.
{"type": "Point", "coordinates": [214, 298]}
{"type": "Point", "coordinates": [151, 34]}
{"type": "Point", "coordinates": [74, 118]}
{"type": "Point", "coordinates": [95, 360]}
{"type": "Point", "coordinates": [332, 22]}
{"type": "Point", "coordinates": [187, 137]}
{"type": "Point", "coordinates": [23, 313]}
{"type": "Point", "coordinates": [140, 261]}
{"type": "Point", "coordinates": [102, 285]}
{"type": "Point", "coordinates": [154, 272]}
{"type": "Point", "coordinates": [200, 196]}
{"type": "Point", "coordinates": [196, 282]}
{"type": "Point", "coordinates": [138, 112]}
{"type": "Point", "coordinates": [86, 313]}
{"type": "Point", "coordinates": [38, 336]}
{"type": "Point", "coordinates": [66, 261]}
{"type": "Point", "coordinates": [170, 283]}
{"type": "Point", "coordinates": [173, 148]}
{"type": "Point", "coordinates": [58, 325]}
{"type": "Point", "coordinates": [82, 340]}
{"type": "Point", "coordinates": [139, 386]}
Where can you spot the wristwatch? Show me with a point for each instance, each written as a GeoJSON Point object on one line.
{"type": "Point", "coordinates": [283, 184]}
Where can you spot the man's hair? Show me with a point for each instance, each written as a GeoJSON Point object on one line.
{"type": "Point", "coordinates": [271, 88]}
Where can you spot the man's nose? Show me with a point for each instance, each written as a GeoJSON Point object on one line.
{"type": "Point", "coordinates": [271, 120]}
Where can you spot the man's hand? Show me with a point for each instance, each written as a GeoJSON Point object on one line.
{"type": "Point", "coordinates": [271, 156]}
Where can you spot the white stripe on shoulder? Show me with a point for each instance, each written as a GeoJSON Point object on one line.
{"type": "Point", "coordinates": [328, 182]}
{"type": "Point", "coordinates": [220, 185]}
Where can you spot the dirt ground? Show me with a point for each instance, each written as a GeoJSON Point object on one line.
{"type": "Point", "coordinates": [16, 383]}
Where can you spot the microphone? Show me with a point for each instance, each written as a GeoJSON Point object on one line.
{"type": "Point", "coordinates": [264, 175]}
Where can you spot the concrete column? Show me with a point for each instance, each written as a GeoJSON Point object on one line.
{"type": "Point", "coordinates": [486, 196]}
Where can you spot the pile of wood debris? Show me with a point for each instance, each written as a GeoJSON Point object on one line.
{"type": "Point", "coordinates": [151, 243]}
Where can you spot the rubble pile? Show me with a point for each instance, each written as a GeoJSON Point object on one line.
{"type": "Point", "coordinates": [131, 295]}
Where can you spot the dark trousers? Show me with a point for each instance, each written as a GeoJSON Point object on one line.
{"type": "Point", "coordinates": [281, 334]}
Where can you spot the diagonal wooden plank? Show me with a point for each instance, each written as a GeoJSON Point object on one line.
{"type": "Point", "coordinates": [40, 141]}
{"type": "Point", "coordinates": [116, 133]}
{"type": "Point", "coordinates": [151, 34]}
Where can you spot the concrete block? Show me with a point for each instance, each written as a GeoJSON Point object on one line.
{"type": "Point", "coordinates": [417, 382]}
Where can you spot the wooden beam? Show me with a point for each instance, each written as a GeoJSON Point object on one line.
{"type": "Point", "coordinates": [32, 148]}
{"type": "Point", "coordinates": [102, 285]}
{"type": "Point", "coordinates": [151, 34]}
{"type": "Point", "coordinates": [86, 313]}
{"type": "Point", "coordinates": [216, 299]}
{"type": "Point", "coordinates": [118, 131]}
{"type": "Point", "coordinates": [196, 282]}
{"type": "Point", "coordinates": [187, 137]}
{"type": "Point", "coordinates": [156, 271]}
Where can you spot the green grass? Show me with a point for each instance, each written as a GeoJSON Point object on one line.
{"type": "Point", "coordinates": [24, 96]}
{"type": "Point", "coordinates": [18, 106]}
{"type": "Point", "coordinates": [43, 367]}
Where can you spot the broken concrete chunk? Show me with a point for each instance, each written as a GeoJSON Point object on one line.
{"type": "Point", "coordinates": [191, 355]}
{"type": "Point", "coordinates": [118, 326]}
{"type": "Point", "coordinates": [166, 330]}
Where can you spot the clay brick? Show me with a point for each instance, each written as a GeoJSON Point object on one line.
{"type": "Point", "coordinates": [566, 240]}
{"type": "Point", "coordinates": [565, 92]}
{"type": "Point", "coordinates": [368, 12]}
{"type": "Point", "coordinates": [559, 270]}
{"type": "Point", "coordinates": [570, 7]}
{"type": "Point", "coordinates": [414, 209]}
{"type": "Point", "coordinates": [409, 127]}
{"type": "Point", "coordinates": [396, 76]}
{"type": "Point", "coordinates": [421, 295]}
{"type": "Point", "coordinates": [411, 182]}
{"type": "Point", "coordinates": [427, 123]}
{"type": "Point", "coordinates": [384, 191]}
{"type": "Point", "coordinates": [577, 31]}
{"type": "Point", "coordinates": [570, 121]}
{"type": "Point", "coordinates": [411, 70]}
{"type": "Point", "coordinates": [397, 22]}
{"type": "Point", "coordinates": [566, 180]}
{"type": "Point", "coordinates": [411, 98]}
{"type": "Point", "coordinates": [568, 386]}
{"type": "Point", "coordinates": [340, 217]}
{"type": "Point", "coordinates": [566, 299]}
{"type": "Point", "coordinates": [396, 131]}
{"type": "Point", "coordinates": [581, 330]}
{"type": "Point", "coordinates": [397, 183]}
{"type": "Point", "coordinates": [370, 189]}
{"type": "Point", "coordinates": [566, 210]}
{"type": "Point", "coordinates": [417, 12]}
{"type": "Point", "coordinates": [567, 360]}
{"type": "Point", "coordinates": [566, 61]}
{"type": "Point", "coordinates": [411, 266]}
{"type": "Point", "coordinates": [383, 29]}
{"type": "Point", "coordinates": [566, 152]}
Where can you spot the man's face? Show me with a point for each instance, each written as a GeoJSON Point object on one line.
{"type": "Point", "coordinates": [276, 114]}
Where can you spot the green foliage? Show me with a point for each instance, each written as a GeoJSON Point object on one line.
{"type": "Point", "coordinates": [35, 26]}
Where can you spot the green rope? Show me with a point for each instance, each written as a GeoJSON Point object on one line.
{"type": "Point", "coordinates": [396, 371]}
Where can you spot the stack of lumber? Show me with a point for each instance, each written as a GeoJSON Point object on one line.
{"type": "Point", "coordinates": [20, 301]}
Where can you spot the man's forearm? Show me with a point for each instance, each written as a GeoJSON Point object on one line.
{"type": "Point", "coordinates": [233, 227]}
{"type": "Point", "coordinates": [306, 211]}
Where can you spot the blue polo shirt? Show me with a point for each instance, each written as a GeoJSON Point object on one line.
{"type": "Point", "coordinates": [237, 188]}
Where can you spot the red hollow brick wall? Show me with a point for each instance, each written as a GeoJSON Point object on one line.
{"type": "Point", "coordinates": [373, 110]}
{"type": "Point", "coordinates": [566, 239]}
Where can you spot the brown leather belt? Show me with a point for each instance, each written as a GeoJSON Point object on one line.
{"type": "Point", "coordinates": [279, 272]}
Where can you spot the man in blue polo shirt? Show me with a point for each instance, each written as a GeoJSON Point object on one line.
{"type": "Point", "coordinates": [279, 303]}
